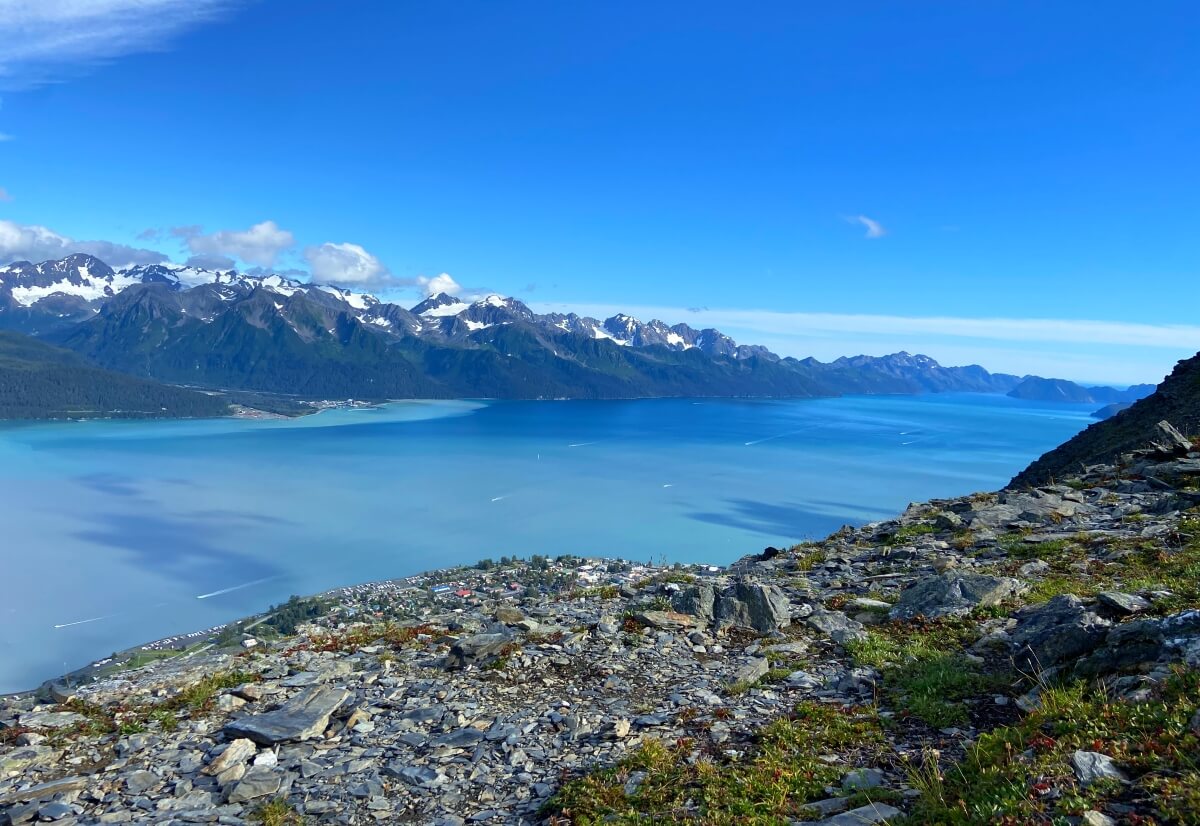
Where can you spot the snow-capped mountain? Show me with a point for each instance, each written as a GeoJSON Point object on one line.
{"type": "Point", "coordinates": [42, 298]}
{"type": "Point", "coordinates": [272, 333]}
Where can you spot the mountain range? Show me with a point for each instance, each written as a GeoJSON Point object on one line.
{"type": "Point", "coordinates": [270, 334]}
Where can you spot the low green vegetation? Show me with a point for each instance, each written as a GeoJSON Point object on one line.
{"type": "Point", "coordinates": [807, 555]}
{"type": "Point", "coordinates": [277, 812]}
{"type": "Point", "coordinates": [193, 699]}
{"type": "Point", "coordinates": [388, 633]}
{"type": "Point", "coordinates": [773, 675]}
{"type": "Point", "coordinates": [677, 783]}
{"type": "Point", "coordinates": [1022, 774]}
{"type": "Point", "coordinates": [1171, 568]}
{"type": "Point", "coordinates": [199, 695]}
{"type": "Point", "coordinates": [908, 533]}
{"type": "Point", "coordinates": [924, 672]}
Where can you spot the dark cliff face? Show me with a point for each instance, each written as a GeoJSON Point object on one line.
{"type": "Point", "coordinates": [1177, 400]}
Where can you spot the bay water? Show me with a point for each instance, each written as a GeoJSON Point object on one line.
{"type": "Point", "coordinates": [114, 533]}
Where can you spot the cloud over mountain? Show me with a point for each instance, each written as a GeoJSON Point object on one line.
{"type": "Point", "coordinates": [345, 264]}
{"type": "Point", "coordinates": [37, 243]}
{"type": "Point", "coordinates": [260, 245]}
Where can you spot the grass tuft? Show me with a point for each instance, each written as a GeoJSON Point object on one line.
{"type": "Point", "coordinates": [277, 812]}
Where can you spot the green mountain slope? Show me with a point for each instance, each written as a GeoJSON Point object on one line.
{"type": "Point", "coordinates": [297, 348]}
{"type": "Point", "coordinates": [38, 381]}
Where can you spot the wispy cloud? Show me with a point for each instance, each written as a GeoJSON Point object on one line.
{"type": "Point", "coordinates": [4, 196]}
{"type": "Point", "coordinates": [873, 227]}
{"type": "Point", "coordinates": [1081, 349]}
{"type": "Point", "coordinates": [47, 40]}
{"type": "Point", "coordinates": [994, 329]}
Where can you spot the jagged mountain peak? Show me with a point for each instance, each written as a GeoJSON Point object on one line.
{"type": "Point", "coordinates": [442, 304]}
{"type": "Point", "coordinates": [901, 359]}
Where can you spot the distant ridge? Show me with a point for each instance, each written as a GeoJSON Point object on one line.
{"type": "Point", "coordinates": [1035, 388]}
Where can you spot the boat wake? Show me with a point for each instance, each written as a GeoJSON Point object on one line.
{"type": "Point", "coordinates": [235, 588]}
{"type": "Point", "coordinates": [81, 622]}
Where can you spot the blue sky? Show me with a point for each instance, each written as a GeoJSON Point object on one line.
{"type": "Point", "coordinates": [855, 178]}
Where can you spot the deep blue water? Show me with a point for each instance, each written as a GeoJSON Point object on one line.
{"type": "Point", "coordinates": [113, 530]}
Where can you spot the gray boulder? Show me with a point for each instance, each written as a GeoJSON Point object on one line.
{"type": "Point", "coordinates": [474, 649]}
{"type": "Point", "coordinates": [871, 813]}
{"type": "Point", "coordinates": [1056, 632]}
{"type": "Point", "coordinates": [751, 604]}
{"type": "Point", "coordinates": [859, 779]}
{"type": "Point", "coordinates": [697, 600]}
{"type": "Point", "coordinates": [947, 521]}
{"type": "Point", "coordinates": [259, 781]}
{"type": "Point", "coordinates": [1092, 766]}
{"type": "Point", "coordinates": [1146, 641]}
{"type": "Point", "coordinates": [1118, 602]}
{"type": "Point", "coordinates": [303, 717]}
{"type": "Point", "coordinates": [1167, 441]}
{"type": "Point", "coordinates": [751, 672]}
{"type": "Point", "coordinates": [953, 592]}
{"type": "Point", "coordinates": [836, 625]}
{"type": "Point", "coordinates": [509, 615]}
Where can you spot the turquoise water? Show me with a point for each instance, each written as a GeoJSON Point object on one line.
{"type": "Point", "coordinates": [115, 533]}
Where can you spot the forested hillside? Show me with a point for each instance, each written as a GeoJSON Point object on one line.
{"type": "Point", "coordinates": [38, 381]}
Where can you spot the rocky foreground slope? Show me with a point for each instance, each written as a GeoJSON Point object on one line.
{"type": "Point", "coordinates": [1022, 657]}
{"type": "Point", "coordinates": [1176, 400]}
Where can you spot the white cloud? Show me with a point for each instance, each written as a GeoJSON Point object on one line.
{"type": "Point", "coordinates": [804, 325]}
{"type": "Point", "coordinates": [345, 264]}
{"type": "Point", "coordinates": [439, 284]}
{"type": "Point", "coordinates": [45, 40]}
{"type": "Point", "coordinates": [29, 242]}
{"type": "Point", "coordinates": [1079, 349]}
{"type": "Point", "coordinates": [259, 245]}
{"type": "Point", "coordinates": [873, 227]}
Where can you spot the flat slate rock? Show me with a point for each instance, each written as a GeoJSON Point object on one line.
{"type": "Point", "coordinates": [303, 717]}
{"type": "Point", "coordinates": [260, 781]}
{"type": "Point", "coordinates": [44, 790]}
{"type": "Point", "coordinates": [50, 719]}
{"type": "Point", "coordinates": [871, 813]}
